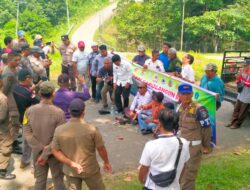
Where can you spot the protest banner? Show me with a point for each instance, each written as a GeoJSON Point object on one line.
{"type": "Point", "coordinates": [168, 85]}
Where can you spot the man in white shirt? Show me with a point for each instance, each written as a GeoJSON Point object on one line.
{"type": "Point", "coordinates": [122, 79]}
{"type": "Point", "coordinates": [80, 58]}
{"type": "Point", "coordinates": [160, 155]}
{"type": "Point", "coordinates": [187, 72]}
{"type": "Point", "coordinates": [142, 97]}
{"type": "Point", "coordinates": [154, 64]}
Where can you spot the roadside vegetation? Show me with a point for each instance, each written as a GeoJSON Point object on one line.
{"type": "Point", "coordinates": [229, 171]}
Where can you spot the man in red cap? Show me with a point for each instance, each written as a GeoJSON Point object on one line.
{"type": "Point", "coordinates": [80, 60]}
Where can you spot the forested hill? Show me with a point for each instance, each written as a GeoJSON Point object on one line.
{"type": "Point", "coordinates": [210, 25]}
{"type": "Point", "coordinates": [45, 17]}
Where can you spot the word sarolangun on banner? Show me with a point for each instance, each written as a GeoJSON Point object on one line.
{"type": "Point", "coordinates": [168, 85]}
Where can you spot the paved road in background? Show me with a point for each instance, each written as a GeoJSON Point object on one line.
{"type": "Point", "coordinates": [87, 30]}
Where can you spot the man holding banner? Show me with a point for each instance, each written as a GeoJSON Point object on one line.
{"type": "Point", "coordinates": [194, 125]}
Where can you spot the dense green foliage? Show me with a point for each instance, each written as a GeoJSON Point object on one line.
{"type": "Point", "coordinates": [209, 25]}
{"type": "Point", "coordinates": [45, 17]}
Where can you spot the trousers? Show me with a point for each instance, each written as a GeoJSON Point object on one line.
{"type": "Point", "coordinates": [69, 71]}
{"type": "Point", "coordinates": [107, 88]}
{"type": "Point", "coordinates": [192, 166]}
{"type": "Point", "coordinates": [121, 90]}
{"type": "Point", "coordinates": [240, 113]}
{"type": "Point", "coordinates": [143, 124]}
{"type": "Point", "coordinates": [6, 141]}
{"type": "Point", "coordinates": [93, 182]}
{"type": "Point", "coordinates": [41, 174]}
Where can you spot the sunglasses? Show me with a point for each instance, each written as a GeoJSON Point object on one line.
{"type": "Point", "coordinates": [140, 87]}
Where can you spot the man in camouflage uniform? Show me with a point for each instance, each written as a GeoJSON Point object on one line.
{"type": "Point", "coordinates": [194, 125]}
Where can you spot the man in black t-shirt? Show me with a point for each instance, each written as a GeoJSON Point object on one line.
{"type": "Point", "coordinates": [105, 76]}
{"type": "Point", "coordinates": [24, 98]}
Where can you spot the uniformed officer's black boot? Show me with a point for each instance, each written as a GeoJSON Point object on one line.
{"type": "Point", "coordinates": [5, 175]}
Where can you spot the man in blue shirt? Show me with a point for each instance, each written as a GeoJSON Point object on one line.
{"type": "Point", "coordinates": [212, 82]}
{"type": "Point", "coordinates": [163, 57]}
{"type": "Point", "coordinates": [141, 57]}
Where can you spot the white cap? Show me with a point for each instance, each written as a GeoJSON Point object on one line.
{"type": "Point", "coordinates": [94, 44]}
{"type": "Point", "coordinates": [38, 37]}
{"type": "Point", "coordinates": [141, 48]}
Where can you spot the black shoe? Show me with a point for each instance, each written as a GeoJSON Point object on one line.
{"type": "Point", "coordinates": [17, 150]}
{"type": "Point", "coordinates": [103, 112]}
{"type": "Point", "coordinates": [145, 132]}
{"type": "Point", "coordinates": [4, 175]}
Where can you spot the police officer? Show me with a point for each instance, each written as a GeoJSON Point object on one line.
{"type": "Point", "coordinates": [194, 125]}
{"type": "Point", "coordinates": [40, 122]}
{"type": "Point", "coordinates": [66, 50]}
{"type": "Point", "coordinates": [75, 144]}
{"type": "Point", "coordinates": [5, 137]}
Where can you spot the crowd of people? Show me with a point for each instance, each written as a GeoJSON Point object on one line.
{"type": "Point", "coordinates": [50, 123]}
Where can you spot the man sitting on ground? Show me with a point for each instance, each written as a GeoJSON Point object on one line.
{"type": "Point", "coordinates": [64, 95]}
{"type": "Point", "coordinates": [148, 124]}
{"type": "Point", "coordinates": [142, 97]}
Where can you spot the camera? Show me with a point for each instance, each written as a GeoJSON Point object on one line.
{"type": "Point", "coordinates": [48, 43]}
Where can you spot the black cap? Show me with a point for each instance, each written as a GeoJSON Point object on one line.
{"type": "Point", "coordinates": [76, 107]}
{"type": "Point", "coordinates": [38, 43]}
{"type": "Point", "coordinates": [23, 74]}
{"type": "Point", "coordinates": [247, 60]}
{"type": "Point", "coordinates": [63, 79]}
{"type": "Point", "coordinates": [64, 37]}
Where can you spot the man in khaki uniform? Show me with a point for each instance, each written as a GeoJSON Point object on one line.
{"type": "Point", "coordinates": [66, 50]}
{"type": "Point", "coordinates": [75, 144]}
{"type": "Point", "coordinates": [9, 80]}
{"type": "Point", "coordinates": [40, 122]}
{"type": "Point", "coordinates": [5, 137]}
{"type": "Point", "coordinates": [194, 125]}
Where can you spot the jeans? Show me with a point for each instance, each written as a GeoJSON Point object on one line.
{"type": "Point", "coordinates": [93, 86]}
{"type": "Point", "coordinates": [143, 124]}
{"type": "Point", "coordinates": [99, 87]}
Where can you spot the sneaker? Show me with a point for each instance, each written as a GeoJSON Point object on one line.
{"type": "Point", "coordinates": [228, 125]}
{"type": "Point", "coordinates": [4, 175]}
{"type": "Point", "coordinates": [234, 127]}
{"type": "Point", "coordinates": [24, 165]}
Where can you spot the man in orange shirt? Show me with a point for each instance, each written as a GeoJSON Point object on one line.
{"type": "Point", "coordinates": [147, 123]}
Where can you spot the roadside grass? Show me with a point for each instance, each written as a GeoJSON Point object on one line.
{"type": "Point", "coordinates": [229, 171]}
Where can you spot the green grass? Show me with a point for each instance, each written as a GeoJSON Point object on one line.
{"type": "Point", "coordinates": [221, 172]}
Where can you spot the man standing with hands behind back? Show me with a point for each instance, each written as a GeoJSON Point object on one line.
{"type": "Point", "coordinates": [75, 144]}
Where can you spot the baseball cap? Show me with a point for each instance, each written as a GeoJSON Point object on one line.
{"type": "Point", "coordinates": [81, 44]}
{"type": "Point", "coordinates": [38, 37]}
{"type": "Point", "coordinates": [25, 46]}
{"type": "Point", "coordinates": [76, 107]}
{"type": "Point", "coordinates": [141, 48]}
{"type": "Point", "coordinates": [47, 87]}
{"type": "Point", "coordinates": [211, 67]}
{"type": "Point", "coordinates": [94, 44]}
{"type": "Point", "coordinates": [23, 74]}
{"type": "Point", "coordinates": [36, 49]}
{"type": "Point", "coordinates": [185, 88]}
{"type": "Point", "coordinates": [20, 33]}
{"type": "Point", "coordinates": [64, 37]}
{"type": "Point", "coordinates": [63, 79]}
{"type": "Point", "coordinates": [38, 43]}
{"type": "Point", "coordinates": [247, 60]}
